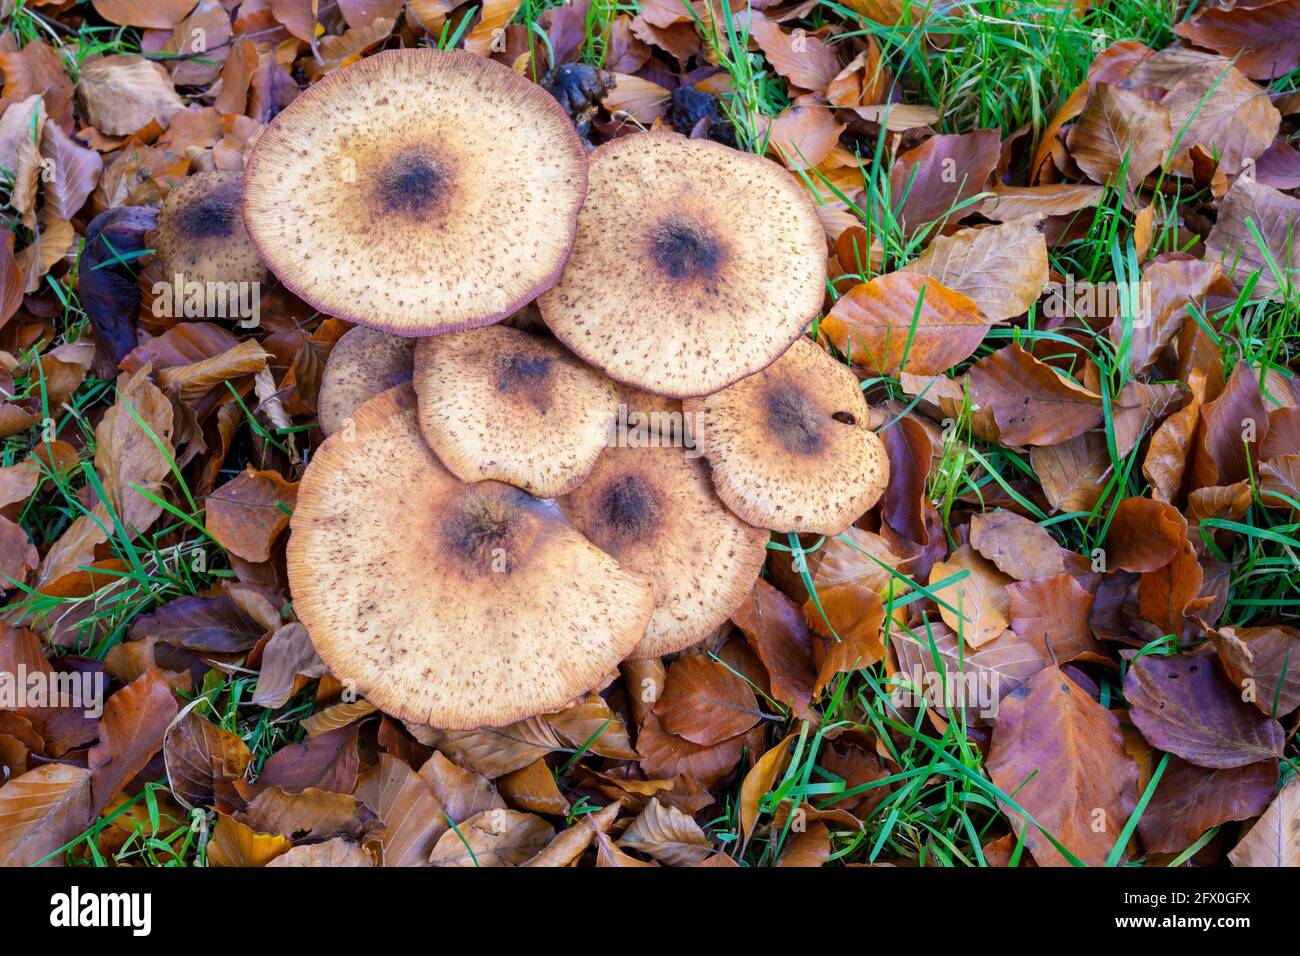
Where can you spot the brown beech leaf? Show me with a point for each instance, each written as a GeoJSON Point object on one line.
{"type": "Point", "coordinates": [533, 789]}
{"type": "Point", "coordinates": [667, 755]}
{"type": "Point", "coordinates": [1062, 756]}
{"type": "Point", "coordinates": [336, 852]}
{"type": "Point", "coordinates": [1051, 614]}
{"type": "Point", "coordinates": [338, 715]}
{"type": "Point", "coordinates": [806, 61]}
{"type": "Point", "coordinates": [1191, 799]}
{"type": "Point", "coordinates": [194, 380]}
{"type": "Point", "coordinates": [607, 854]}
{"type": "Point", "coordinates": [1231, 240]}
{"type": "Point", "coordinates": [804, 134]}
{"type": "Point", "coordinates": [1274, 840]}
{"type": "Point", "coordinates": [1264, 663]}
{"type": "Point", "coordinates": [1119, 123]}
{"type": "Point", "coordinates": [73, 171]}
{"type": "Point", "coordinates": [760, 779]}
{"type": "Point", "coordinates": [203, 760]}
{"type": "Point", "coordinates": [809, 848]}
{"type": "Point", "coordinates": [1171, 444]}
{"type": "Point", "coordinates": [213, 624]}
{"type": "Point", "coordinates": [327, 762]}
{"type": "Point", "coordinates": [1226, 502]}
{"type": "Point", "coordinates": [1211, 105]}
{"type": "Point", "coordinates": [1033, 405]}
{"type": "Point", "coordinates": [310, 815]}
{"type": "Point", "coordinates": [846, 630]}
{"type": "Point", "coordinates": [1018, 546]}
{"type": "Point", "coordinates": [124, 93]}
{"type": "Point", "coordinates": [1264, 38]}
{"type": "Point", "coordinates": [878, 326]}
{"type": "Point", "coordinates": [1166, 594]}
{"type": "Point", "coordinates": [41, 811]}
{"type": "Point", "coordinates": [493, 751]}
{"type": "Point", "coordinates": [1280, 483]}
{"type": "Point", "coordinates": [977, 606]}
{"type": "Point", "coordinates": [288, 662]}
{"type": "Point", "coordinates": [18, 556]}
{"type": "Point", "coordinates": [159, 14]}
{"type": "Point", "coordinates": [1073, 473]}
{"type": "Point", "coordinates": [946, 170]}
{"type": "Point", "coordinates": [775, 628]}
{"type": "Point", "coordinates": [493, 838]}
{"type": "Point", "coordinates": [247, 513]}
{"type": "Point", "coordinates": [1185, 706]}
{"type": "Point", "coordinates": [983, 677]}
{"type": "Point", "coordinates": [1165, 290]}
{"type": "Point", "coordinates": [705, 702]}
{"type": "Point", "coordinates": [570, 844]}
{"type": "Point", "coordinates": [1144, 535]}
{"type": "Point", "coordinates": [237, 844]}
{"type": "Point", "coordinates": [667, 835]}
{"type": "Point", "coordinates": [129, 458]}
{"type": "Point", "coordinates": [1058, 199]}
{"type": "Point", "coordinates": [461, 792]}
{"type": "Point", "coordinates": [1232, 426]}
{"type": "Point", "coordinates": [902, 506]}
{"type": "Point", "coordinates": [130, 733]}
{"type": "Point", "coordinates": [1137, 407]}
{"type": "Point", "coordinates": [1002, 269]}
{"type": "Point", "coordinates": [406, 805]}
{"type": "Point", "coordinates": [594, 725]}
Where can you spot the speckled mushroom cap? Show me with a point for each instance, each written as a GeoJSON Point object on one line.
{"type": "Point", "coordinates": [363, 363]}
{"type": "Point", "coordinates": [200, 234]}
{"type": "Point", "coordinates": [654, 509]}
{"type": "Point", "coordinates": [511, 406]}
{"type": "Point", "coordinates": [790, 448]}
{"type": "Point", "coordinates": [417, 191]}
{"type": "Point", "coordinates": [443, 603]}
{"type": "Point", "coordinates": [695, 265]}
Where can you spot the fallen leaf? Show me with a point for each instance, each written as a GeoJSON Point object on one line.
{"type": "Point", "coordinates": [406, 805]}
{"type": "Point", "coordinates": [775, 628]}
{"type": "Point", "coordinates": [1274, 840]}
{"type": "Point", "coordinates": [41, 811]}
{"type": "Point", "coordinates": [667, 835]}
{"type": "Point", "coordinates": [1191, 799]}
{"type": "Point", "coordinates": [705, 703]}
{"type": "Point", "coordinates": [493, 838]}
{"type": "Point", "coordinates": [1144, 535]}
{"type": "Point", "coordinates": [1232, 241]}
{"type": "Point", "coordinates": [235, 844]}
{"type": "Point", "coordinates": [1118, 125]}
{"type": "Point", "coordinates": [927, 182]}
{"type": "Point", "coordinates": [1019, 547]}
{"type": "Point", "coordinates": [1002, 268]}
{"type": "Point", "coordinates": [1264, 663]}
{"type": "Point", "coordinates": [1052, 615]}
{"type": "Point", "coordinates": [1031, 402]}
{"type": "Point", "coordinates": [1061, 755]}
{"type": "Point", "coordinates": [977, 606]}
{"type": "Point", "coordinates": [336, 852]}
{"type": "Point", "coordinates": [533, 790]}
{"type": "Point", "coordinates": [130, 733]}
{"type": "Point", "coordinates": [203, 760]}
{"type": "Point", "coordinates": [124, 93]}
{"type": "Point", "coordinates": [905, 320]}
{"type": "Point", "coordinates": [1185, 706]}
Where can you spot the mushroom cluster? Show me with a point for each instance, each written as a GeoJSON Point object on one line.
{"type": "Point", "coordinates": [477, 540]}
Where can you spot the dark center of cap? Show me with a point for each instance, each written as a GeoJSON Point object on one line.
{"type": "Point", "coordinates": [683, 249]}
{"type": "Point", "coordinates": [793, 419]}
{"type": "Point", "coordinates": [212, 215]}
{"type": "Point", "coordinates": [629, 508]}
{"type": "Point", "coordinates": [527, 377]}
{"type": "Point", "coordinates": [412, 184]}
{"type": "Point", "coordinates": [485, 528]}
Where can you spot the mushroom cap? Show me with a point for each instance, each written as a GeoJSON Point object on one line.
{"type": "Point", "coordinates": [503, 404]}
{"type": "Point", "coordinates": [790, 448]}
{"type": "Point", "coordinates": [362, 363]}
{"type": "Point", "coordinates": [654, 509]}
{"type": "Point", "coordinates": [417, 191]}
{"type": "Point", "coordinates": [200, 234]}
{"type": "Point", "coordinates": [449, 604]}
{"type": "Point", "coordinates": [695, 265]}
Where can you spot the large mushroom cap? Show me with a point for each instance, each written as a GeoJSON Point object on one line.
{"type": "Point", "coordinates": [695, 265]}
{"type": "Point", "coordinates": [363, 363]}
{"type": "Point", "coordinates": [200, 234]}
{"type": "Point", "coordinates": [790, 448]}
{"type": "Point", "coordinates": [443, 603]}
{"type": "Point", "coordinates": [417, 191]}
{"type": "Point", "coordinates": [504, 404]}
{"type": "Point", "coordinates": [655, 511]}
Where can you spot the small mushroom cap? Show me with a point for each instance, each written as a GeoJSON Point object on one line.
{"type": "Point", "coordinates": [449, 604]}
{"type": "Point", "coordinates": [507, 405]}
{"type": "Point", "coordinates": [417, 191]}
{"type": "Point", "coordinates": [654, 509]}
{"type": "Point", "coordinates": [363, 363]}
{"type": "Point", "coordinates": [695, 265]}
{"type": "Point", "coordinates": [790, 448]}
{"type": "Point", "coordinates": [201, 235]}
